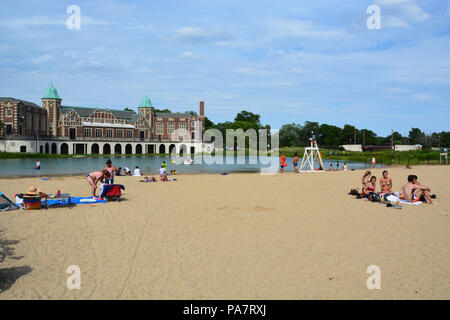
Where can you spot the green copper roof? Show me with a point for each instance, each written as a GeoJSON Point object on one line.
{"type": "Point", "coordinates": [146, 103]}
{"type": "Point", "coordinates": [51, 93]}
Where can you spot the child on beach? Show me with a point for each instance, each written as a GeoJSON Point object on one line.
{"type": "Point", "coordinates": [373, 162]}
{"type": "Point", "coordinates": [295, 162]}
{"type": "Point", "coordinates": [137, 172]}
{"type": "Point", "coordinates": [111, 169]}
{"type": "Point", "coordinates": [95, 177]}
{"type": "Point", "coordinates": [163, 174]}
{"type": "Point", "coordinates": [37, 166]}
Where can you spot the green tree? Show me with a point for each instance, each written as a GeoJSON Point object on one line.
{"type": "Point", "coordinates": [290, 135]}
{"type": "Point", "coordinates": [247, 116]}
{"type": "Point", "coordinates": [163, 111]}
{"type": "Point", "coordinates": [329, 136]}
{"type": "Point", "coordinates": [128, 109]}
{"type": "Point", "coordinates": [348, 134]}
{"type": "Point", "coordinates": [416, 136]}
{"type": "Point", "coordinates": [208, 124]}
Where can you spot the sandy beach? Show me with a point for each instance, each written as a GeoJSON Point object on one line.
{"type": "Point", "coordinates": [240, 236]}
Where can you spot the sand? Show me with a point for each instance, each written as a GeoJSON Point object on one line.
{"type": "Point", "coordinates": [240, 236]}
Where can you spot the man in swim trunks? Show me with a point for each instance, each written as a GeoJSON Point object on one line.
{"type": "Point", "coordinates": [413, 190]}
{"type": "Point", "coordinates": [386, 183]}
{"type": "Point", "coordinates": [94, 177]}
{"type": "Point", "coordinates": [295, 163]}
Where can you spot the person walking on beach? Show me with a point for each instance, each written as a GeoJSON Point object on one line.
{"type": "Point", "coordinates": [295, 163]}
{"type": "Point", "coordinates": [94, 177]}
{"type": "Point", "coordinates": [344, 167]}
{"type": "Point", "coordinates": [282, 162]}
{"type": "Point", "coordinates": [111, 169]}
{"type": "Point", "coordinates": [373, 162]}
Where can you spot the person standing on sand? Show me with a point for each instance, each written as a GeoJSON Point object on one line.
{"type": "Point", "coordinates": [111, 169]}
{"type": "Point", "coordinates": [37, 166]}
{"type": "Point", "coordinates": [282, 162]}
{"type": "Point", "coordinates": [373, 162]}
{"type": "Point", "coordinates": [94, 177]}
{"type": "Point", "coordinates": [295, 162]}
{"type": "Point", "coordinates": [413, 190]}
{"type": "Point", "coordinates": [386, 183]}
{"type": "Point", "coordinates": [344, 167]}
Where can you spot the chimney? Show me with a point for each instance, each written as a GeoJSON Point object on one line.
{"type": "Point", "coordinates": [202, 108]}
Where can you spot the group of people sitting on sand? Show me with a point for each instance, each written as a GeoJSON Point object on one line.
{"type": "Point", "coordinates": [412, 191]}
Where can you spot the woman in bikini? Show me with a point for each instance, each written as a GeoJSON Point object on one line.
{"type": "Point", "coordinates": [370, 186]}
{"type": "Point", "coordinates": [94, 177]}
{"type": "Point", "coordinates": [365, 179]}
{"type": "Point", "coordinates": [386, 183]}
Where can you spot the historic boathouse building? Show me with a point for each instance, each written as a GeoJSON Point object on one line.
{"type": "Point", "coordinates": [59, 129]}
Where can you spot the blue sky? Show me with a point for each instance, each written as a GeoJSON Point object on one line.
{"type": "Point", "coordinates": [289, 61]}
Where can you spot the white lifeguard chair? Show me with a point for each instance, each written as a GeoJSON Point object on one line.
{"type": "Point", "coordinates": [311, 153]}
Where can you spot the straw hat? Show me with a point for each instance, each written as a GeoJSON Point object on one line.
{"type": "Point", "coordinates": [32, 191]}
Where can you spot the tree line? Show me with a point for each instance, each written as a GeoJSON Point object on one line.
{"type": "Point", "coordinates": [330, 136]}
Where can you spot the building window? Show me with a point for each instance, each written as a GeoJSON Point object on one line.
{"type": "Point", "coordinates": [87, 133]}
{"type": "Point", "coordinates": [109, 133]}
{"type": "Point", "coordinates": [99, 133]}
{"type": "Point", "coordinates": [9, 112]}
{"type": "Point", "coordinates": [119, 134]}
{"type": "Point", "coordinates": [159, 128]}
{"type": "Point", "coordinates": [193, 124]}
{"type": "Point", "coordinates": [192, 135]}
{"type": "Point", "coordinates": [170, 127]}
{"type": "Point", "coordinates": [182, 127]}
{"type": "Point", "coordinates": [50, 125]}
{"type": "Point", "coordinates": [129, 134]}
{"type": "Point", "coordinates": [9, 129]}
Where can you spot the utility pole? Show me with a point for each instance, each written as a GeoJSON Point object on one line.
{"type": "Point", "coordinates": [364, 137]}
{"type": "Point", "coordinates": [355, 135]}
{"type": "Point", "coordinates": [392, 141]}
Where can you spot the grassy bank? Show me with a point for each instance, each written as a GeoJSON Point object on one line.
{"type": "Point", "coordinates": [385, 157]}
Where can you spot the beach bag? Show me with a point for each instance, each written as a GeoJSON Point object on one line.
{"type": "Point", "coordinates": [32, 203]}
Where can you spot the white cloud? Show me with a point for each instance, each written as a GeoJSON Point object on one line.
{"type": "Point", "coordinates": [401, 13]}
{"type": "Point", "coordinates": [198, 35]}
{"type": "Point", "coordinates": [188, 54]}
{"type": "Point", "coordinates": [43, 59]}
{"type": "Point", "coordinates": [394, 22]}
{"type": "Point", "coordinates": [422, 97]}
{"type": "Point", "coordinates": [288, 28]}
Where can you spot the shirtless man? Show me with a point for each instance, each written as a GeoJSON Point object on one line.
{"type": "Point", "coordinates": [413, 190]}
{"type": "Point", "coordinates": [386, 183]}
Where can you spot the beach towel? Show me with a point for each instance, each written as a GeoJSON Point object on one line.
{"type": "Point", "coordinates": [409, 202]}
{"type": "Point", "coordinates": [73, 200]}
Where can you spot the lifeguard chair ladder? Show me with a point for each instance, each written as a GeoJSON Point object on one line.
{"type": "Point", "coordinates": [311, 153]}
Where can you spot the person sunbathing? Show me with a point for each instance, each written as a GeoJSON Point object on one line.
{"type": "Point", "coordinates": [370, 186]}
{"type": "Point", "coordinates": [386, 183]}
{"type": "Point", "coordinates": [365, 179]}
{"type": "Point", "coordinates": [415, 191]}
{"type": "Point", "coordinates": [95, 177]}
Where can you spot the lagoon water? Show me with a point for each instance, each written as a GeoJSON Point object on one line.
{"type": "Point", "coordinates": [85, 165]}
